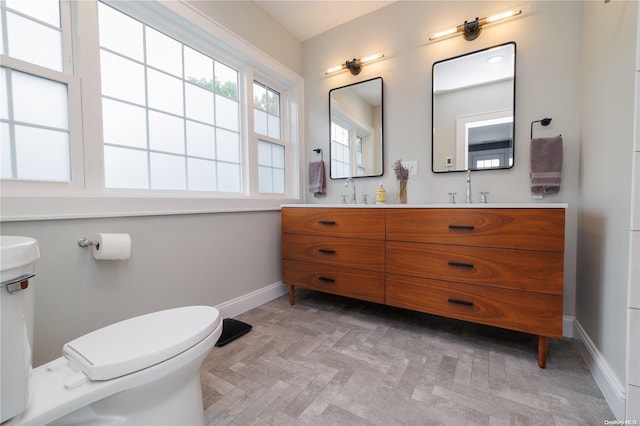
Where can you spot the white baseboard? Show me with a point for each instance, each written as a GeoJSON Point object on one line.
{"type": "Point", "coordinates": [251, 300]}
{"type": "Point", "coordinates": [567, 326]}
{"type": "Point", "coordinates": [609, 384]}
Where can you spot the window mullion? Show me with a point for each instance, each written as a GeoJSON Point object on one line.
{"type": "Point", "coordinates": [146, 105]}
{"type": "Point", "coordinates": [184, 118]}
{"type": "Point", "coordinates": [218, 172]}
{"type": "Point", "coordinates": [10, 117]}
{"type": "Point", "coordinates": [84, 93]}
{"type": "Point", "coordinates": [251, 147]}
{"type": "Point", "coordinates": [5, 33]}
{"type": "Point", "coordinates": [66, 24]}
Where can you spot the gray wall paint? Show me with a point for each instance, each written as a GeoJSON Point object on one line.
{"type": "Point", "coordinates": [175, 261]}
{"type": "Point", "coordinates": [605, 179]}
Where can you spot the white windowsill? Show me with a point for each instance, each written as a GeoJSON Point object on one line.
{"type": "Point", "coordinates": [14, 209]}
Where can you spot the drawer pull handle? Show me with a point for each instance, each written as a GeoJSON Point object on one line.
{"type": "Point", "coordinates": [326, 280]}
{"type": "Point", "coordinates": [461, 265]}
{"type": "Point", "coordinates": [462, 227]}
{"type": "Point", "coordinates": [327, 222]}
{"type": "Point", "coordinates": [327, 251]}
{"type": "Point", "coordinates": [460, 302]}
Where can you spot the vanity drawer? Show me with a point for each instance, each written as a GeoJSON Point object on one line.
{"type": "Point", "coordinates": [356, 283]}
{"type": "Point", "coordinates": [534, 271]}
{"type": "Point", "coordinates": [534, 313]}
{"type": "Point", "coordinates": [535, 229]}
{"type": "Point", "coordinates": [337, 222]}
{"type": "Point", "coordinates": [351, 252]}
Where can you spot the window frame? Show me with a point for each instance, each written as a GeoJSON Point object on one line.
{"type": "Point", "coordinates": [74, 94]}
{"type": "Point", "coordinates": [285, 134]}
{"type": "Point", "coordinates": [33, 200]}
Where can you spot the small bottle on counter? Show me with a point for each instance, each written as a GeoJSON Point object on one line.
{"type": "Point", "coordinates": [381, 195]}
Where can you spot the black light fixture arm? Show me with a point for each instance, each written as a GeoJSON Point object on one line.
{"type": "Point", "coordinates": [354, 66]}
{"type": "Point", "coordinates": [471, 30]}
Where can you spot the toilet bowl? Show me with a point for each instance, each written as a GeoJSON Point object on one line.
{"type": "Point", "coordinates": [141, 371]}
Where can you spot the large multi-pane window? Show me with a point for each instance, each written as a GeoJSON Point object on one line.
{"type": "Point", "coordinates": [34, 113]}
{"type": "Point", "coordinates": [171, 114]}
{"type": "Point", "coordinates": [135, 99]}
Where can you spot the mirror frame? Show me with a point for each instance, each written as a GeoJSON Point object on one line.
{"type": "Point", "coordinates": [513, 106]}
{"type": "Point", "coordinates": [381, 129]}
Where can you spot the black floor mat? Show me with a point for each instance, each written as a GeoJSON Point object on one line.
{"type": "Point", "coordinates": [231, 330]}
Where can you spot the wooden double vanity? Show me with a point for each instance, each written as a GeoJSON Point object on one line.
{"type": "Point", "coordinates": [497, 265]}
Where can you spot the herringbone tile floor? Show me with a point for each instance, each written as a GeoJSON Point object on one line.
{"type": "Point", "coordinates": [329, 360]}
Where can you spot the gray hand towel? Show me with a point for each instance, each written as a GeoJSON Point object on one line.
{"type": "Point", "coordinates": [316, 179]}
{"type": "Point", "coordinates": [546, 166]}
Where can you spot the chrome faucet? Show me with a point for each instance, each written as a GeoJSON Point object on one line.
{"type": "Point", "coordinates": [353, 185]}
{"type": "Point", "coordinates": [468, 201]}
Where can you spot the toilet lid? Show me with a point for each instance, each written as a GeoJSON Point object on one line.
{"type": "Point", "coordinates": [137, 343]}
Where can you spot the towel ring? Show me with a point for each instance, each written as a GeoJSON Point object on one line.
{"type": "Point", "coordinates": [319, 151]}
{"type": "Point", "coordinates": [544, 122]}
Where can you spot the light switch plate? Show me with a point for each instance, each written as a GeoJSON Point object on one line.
{"type": "Point", "coordinates": [412, 166]}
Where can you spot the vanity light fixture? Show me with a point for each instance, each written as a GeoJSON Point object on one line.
{"type": "Point", "coordinates": [470, 30]}
{"type": "Point", "coordinates": [354, 65]}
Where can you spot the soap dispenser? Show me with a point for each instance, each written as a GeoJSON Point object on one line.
{"type": "Point", "coordinates": [381, 195]}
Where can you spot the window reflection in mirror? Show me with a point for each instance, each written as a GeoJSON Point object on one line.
{"type": "Point", "coordinates": [473, 106]}
{"type": "Point", "coordinates": [355, 114]}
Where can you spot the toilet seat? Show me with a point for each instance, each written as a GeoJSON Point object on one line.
{"type": "Point", "coordinates": [137, 343]}
{"type": "Point", "coordinates": [52, 398]}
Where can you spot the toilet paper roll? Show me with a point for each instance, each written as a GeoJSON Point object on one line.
{"type": "Point", "coordinates": [112, 247]}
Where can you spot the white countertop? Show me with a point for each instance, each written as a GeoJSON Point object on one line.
{"type": "Point", "coordinates": [437, 206]}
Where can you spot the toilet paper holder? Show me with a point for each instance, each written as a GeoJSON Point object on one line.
{"type": "Point", "coordinates": [84, 242]}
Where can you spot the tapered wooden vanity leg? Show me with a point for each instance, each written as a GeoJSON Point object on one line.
{"type": "Point", "coordinates": [543, 347]}
{"type": "Point", "coordinates": [292, 295]}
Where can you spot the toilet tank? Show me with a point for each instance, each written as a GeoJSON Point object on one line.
{"type": "Point", "coordinates": [17, 264]}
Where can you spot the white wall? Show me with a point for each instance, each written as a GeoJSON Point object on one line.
{"type": "Point", "coordinates": [608, 64]}
{"type": "Point", "coordinates": [633, 315]}
{"type": "Point", "coordinates": [250, 22]}
{"type": "Point", "coordinates": [548, 71]}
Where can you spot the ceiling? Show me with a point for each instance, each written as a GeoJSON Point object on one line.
{"type": "Point", "coordinates": [308, 18]}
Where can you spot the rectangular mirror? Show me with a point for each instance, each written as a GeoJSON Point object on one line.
{"type": "Point", "coordinates": [473, 110]}
{"type": "Point", "coordinates": [355, 120]}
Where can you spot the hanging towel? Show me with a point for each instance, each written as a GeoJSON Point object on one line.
{"type": "Point", "coordinates": [546, 166]}
{"type": "Point", "coordinates": [316, 179]}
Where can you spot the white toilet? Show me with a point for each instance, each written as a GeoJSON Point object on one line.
{"type": "Point", "coordinates": [142, 371]}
